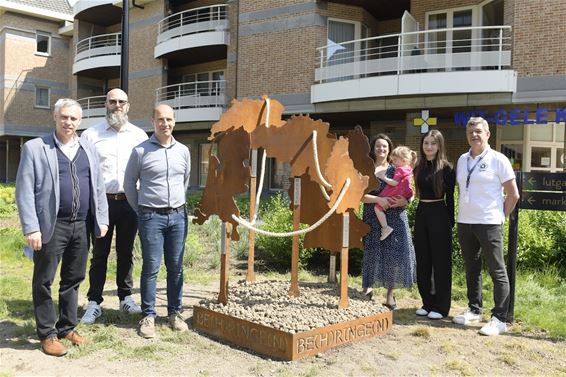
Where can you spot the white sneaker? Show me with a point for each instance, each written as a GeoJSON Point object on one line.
{"type": "Point", "coordinates": [128, 305]}
{"type": "Point", "coordinates": [434, 315]}
{"type": "Point", "coordinates": [92, 312]}
{"type": "Point", "coordinates": [466, 318]}
{"type": "Point", "coordinates": [421, 312]}
{"type": "Point", "coordinates": [494, 327]}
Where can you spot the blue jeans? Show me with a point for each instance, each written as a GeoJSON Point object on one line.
{"type": "Point", "coordinates": [162, 233]}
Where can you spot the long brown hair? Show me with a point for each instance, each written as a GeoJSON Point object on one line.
{"type": "Point", "coordinates": [438, 163]}
{"type": "Point", "coordinates": [372, 145]}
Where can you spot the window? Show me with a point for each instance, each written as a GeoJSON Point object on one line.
{"type": "Point", "coordinates": [534, 147]}
{"type": "Point", "coordinates": [279, 175]}
{"type": "Point", "coordinates": [341, 49]}
{"type": "Point", "coordinates": [203, 83]}
{"type": "Point", "coordinates": [204, 150]}
{"type": "Point", "coordinates": [42, 97]}
{"type": "Point", "coordinates": [42, 43]}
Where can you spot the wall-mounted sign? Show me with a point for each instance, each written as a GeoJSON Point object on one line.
{"type": "Point", "coordinates": [514, 117]}
{"type": "Point", "coordinates": [424, 121]}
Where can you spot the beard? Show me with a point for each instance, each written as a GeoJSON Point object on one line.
{"type": "Point", "coordinates": [116, 119]}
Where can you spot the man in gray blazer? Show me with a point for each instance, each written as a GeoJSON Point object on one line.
{"type": "Point", "coordinates": [59, 193]}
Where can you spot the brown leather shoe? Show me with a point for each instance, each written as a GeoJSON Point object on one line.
{"type": "Point", "coordinates": [53, 347]}
{"type": "Point", "coordinates": [75, 338]}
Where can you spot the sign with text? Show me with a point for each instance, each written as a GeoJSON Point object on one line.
{"type": "Point", "coordinates": [543, 181]}
{"type": "Point", "coordinates": [549, 201]}
{"type": "Point", "coordinates": [514, 117]}
{"type": "Point", "coordinates": [543, 191]}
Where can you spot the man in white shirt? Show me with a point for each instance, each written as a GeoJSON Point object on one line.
{"type": "Point", "coordinates": [482, 173]}
{"type": "Point", "coordinates": [114, 140]}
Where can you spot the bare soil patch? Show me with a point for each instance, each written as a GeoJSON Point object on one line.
{"type": "Point", "coordinates": [414, 346]}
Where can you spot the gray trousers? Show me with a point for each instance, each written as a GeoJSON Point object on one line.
{"type": "Point", "coordinates": [487, 240]}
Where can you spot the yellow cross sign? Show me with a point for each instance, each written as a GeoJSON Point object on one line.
{"type": "Point", "coordinates": [424, 121]}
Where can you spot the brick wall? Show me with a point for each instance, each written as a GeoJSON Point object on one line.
{"type": "Point", "coordinates": [280, 61]}
{"type": "Point", "coordinates": [539, 29]}
{"type": "Point", "coordinates": [145, 72]}
{"type": "Point", "coordinates": [23, 69]}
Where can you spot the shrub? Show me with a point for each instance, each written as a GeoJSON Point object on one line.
{"type": "Point", "coordinates": [542, 240]}
{"type": "Point", "coordinates": [7, 200]}
{"type": "Point", "coordinates": [276, 216]}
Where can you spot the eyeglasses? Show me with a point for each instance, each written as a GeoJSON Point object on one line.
{"type": "Point", "coordinates": [117, 101]}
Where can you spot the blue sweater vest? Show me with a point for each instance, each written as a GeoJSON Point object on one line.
{"type": "Point", "coordinates": [74, 186]}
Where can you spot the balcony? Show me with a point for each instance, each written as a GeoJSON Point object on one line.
{"type": "Point", "coordinates": [99, 12]}
{"type": "Point", "coordinates": [94, 110]}
{"type": "Point", "coordinates": [101, 51]}
{"type": "Point", "coordinates": [196, 101]}
{"type": "Point", "coordinates": [439, 61]}
{"type": "Point", "coordinates": [199, 27]}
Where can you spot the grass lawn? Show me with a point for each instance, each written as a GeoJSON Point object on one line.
{"type": "Point", "coordinates": [540, 300]}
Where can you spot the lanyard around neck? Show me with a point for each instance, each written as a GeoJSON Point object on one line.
{"type": "Point", "coordinates": [470, 171]}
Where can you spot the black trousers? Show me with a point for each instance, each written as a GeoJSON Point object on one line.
{"type": "Point", "coordinates": [124, 220]}
{"type": "Point", "coordinates": [487, 240]}
{"type": "Point", "coordinates": [69, 245]}
{"type": "Point", "coordinates": [433, 251]}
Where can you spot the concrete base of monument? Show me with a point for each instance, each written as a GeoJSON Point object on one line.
{"type": "Point", "coordinates": [262, 317]}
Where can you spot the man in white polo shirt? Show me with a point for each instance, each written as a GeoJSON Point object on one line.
{"type": "Point", "coordinates": [481, 174]}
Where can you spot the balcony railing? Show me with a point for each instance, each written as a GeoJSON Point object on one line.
{"type": "Point", "coordinates": [100, 45]}
{"type": "Point", "coordinates": [93, 106]}
{"type": "Point", "coordinates": [196, 94]}
{"type": "Point", "coordinates": [198, 20]}
{"type": "Point", "coordinates": [438, 50]}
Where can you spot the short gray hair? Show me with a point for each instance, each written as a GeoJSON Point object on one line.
{"type": "Point", "coordinates": [67, 102]}
{"type": "Point", "coordinates": [478, 120]}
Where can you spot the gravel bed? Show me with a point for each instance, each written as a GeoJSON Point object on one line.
{"type": "Point", "coordinates": [268, 303]}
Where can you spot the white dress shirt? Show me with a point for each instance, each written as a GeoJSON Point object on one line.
{"type": "Point", "coordinates": [70, 149]}
{"type": "Point", "coordinates": [114, 149]}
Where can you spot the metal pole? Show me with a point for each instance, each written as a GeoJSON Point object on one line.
{"type": "Point", "coordinates": [124, 64]}
{"type": "Point", "coordinates": [7, 160]}
{"type": "Point", "coordinates": [512, 249]}
{"type": "Point", "coordinates": [224, 262]}
{"type": "Point", "coordinates": [343, 304]}
{"type": "Point", "coordinates": [250, 276]}
{"type": "Point", "coordinates": [332, 268]}
{"type": "Point", "coordinates": [294, 290]}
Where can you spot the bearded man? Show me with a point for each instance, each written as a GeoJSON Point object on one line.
{"type": "Point", "coordinates": [114, 140]}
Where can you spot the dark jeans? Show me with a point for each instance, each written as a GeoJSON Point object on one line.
{"type": "Point", "coordinates": [433, 251]}
{"type": "Point", "coordinates": [486, 239]}
{"type": "Point", "coordinates": [69, 244]}
{"type": "Point", "coordinates": [162, 235]}
{"type": "Point", "coordinates": [124, 219]}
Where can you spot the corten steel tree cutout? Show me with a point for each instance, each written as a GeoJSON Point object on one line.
{"type": "Point", "coordinates": [326, 176]}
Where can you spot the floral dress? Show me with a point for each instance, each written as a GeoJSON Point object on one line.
{"type": "Point", "coordinates": [389, 263]}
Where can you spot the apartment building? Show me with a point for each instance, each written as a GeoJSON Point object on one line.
{"type": "Point", "coordinates": [392, 66]}
{"type": "Point", "coordinates": [35, 55]}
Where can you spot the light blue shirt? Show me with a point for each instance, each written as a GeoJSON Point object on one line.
{"type": "Point", "coordinates": [163, 173]}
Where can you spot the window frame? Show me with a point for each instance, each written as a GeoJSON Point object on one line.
{"type": "Point", "coordinates": [48, 36]}
{"type": "Point", "coordinates": [37, 105]}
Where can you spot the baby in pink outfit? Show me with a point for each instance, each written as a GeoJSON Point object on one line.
{"type": "Point", "coordinates": [403, 159]}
